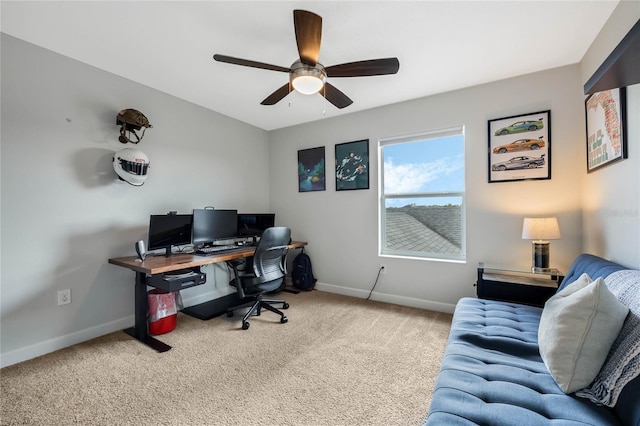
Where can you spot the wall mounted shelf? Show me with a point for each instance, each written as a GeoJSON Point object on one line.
{"type": "Point", "coordinates": [622, 66]}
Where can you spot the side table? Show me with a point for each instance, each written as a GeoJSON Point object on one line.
{"type": "Point", "coordinates": [517, 284]}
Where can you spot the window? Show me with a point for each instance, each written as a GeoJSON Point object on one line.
{"type": "Point", "coordinates": [422, 199]}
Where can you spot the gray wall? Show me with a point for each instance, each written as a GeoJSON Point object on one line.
{"type": "Point", "coordinates": [611, 195]}
{"type": "Point", "coordinates": [597, 213]}
{"type": "Point", "coordinates": [343, 226]}
{"type": "Point", "coordinates": [64, 212]}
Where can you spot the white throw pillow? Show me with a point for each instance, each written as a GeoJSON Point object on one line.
{"type": "Point", "coordinates": [577, 328]}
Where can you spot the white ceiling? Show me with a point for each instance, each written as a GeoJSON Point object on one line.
{"type": "Point", "coordinates": [441, 46]}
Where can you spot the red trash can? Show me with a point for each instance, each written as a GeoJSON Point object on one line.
{"type": "Point", "coordinates": [163, 311]}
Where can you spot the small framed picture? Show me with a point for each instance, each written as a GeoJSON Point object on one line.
{"type": "Point", "coordinates": [311, 169]}
{"type": "Point", "coordinates": [352, 165]}
{"type": "Point", "coordinates": [520, 147]}
{"type": "Point", "coordinates": [606, 128]}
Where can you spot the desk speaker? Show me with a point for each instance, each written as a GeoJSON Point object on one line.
{"type": "Point", "coordinates": [142, 253]}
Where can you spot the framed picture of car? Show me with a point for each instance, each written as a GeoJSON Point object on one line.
{"type": "Point", "coordinates": [520, 147]}
{"type": "Point", "coordinates": [606, 128]}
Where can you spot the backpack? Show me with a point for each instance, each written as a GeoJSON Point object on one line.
{"type": "Point", "coordinates": [301, 273]}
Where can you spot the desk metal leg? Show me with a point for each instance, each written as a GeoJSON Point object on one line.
{"type": "Point", "coordinates": [141, 331]}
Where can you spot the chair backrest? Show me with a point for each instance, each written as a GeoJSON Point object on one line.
{"type": "Point", "coordinates": [269, 257]}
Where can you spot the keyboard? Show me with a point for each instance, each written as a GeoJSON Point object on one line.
{"type": "Point", "coordinates": [211, 250]}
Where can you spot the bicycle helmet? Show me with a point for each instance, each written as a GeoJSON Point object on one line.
{"type": "Point", "coordinates": [131, 166]}
{"type": "Point", "coordinates": [129, 121]}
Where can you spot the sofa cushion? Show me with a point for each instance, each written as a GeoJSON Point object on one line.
{"type": "Point", "coordinates": [577, 328]}
{"type": "Point", "coordinates": [623, 362]}
{"type": "Point", "coordinates": [492, 373]}
{"type": "Point", "coordinates": [592, 265]}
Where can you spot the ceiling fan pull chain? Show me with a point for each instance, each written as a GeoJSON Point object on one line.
{"type": "Point", "coordinates": [324, 101]}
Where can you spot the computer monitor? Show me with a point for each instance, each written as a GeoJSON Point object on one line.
{"type": "Point", "coordinates": [211, 225]}
{"type": "Point", "coordinates": [166, 231]}
{"type": "Point", "coordinates": [254, 224]}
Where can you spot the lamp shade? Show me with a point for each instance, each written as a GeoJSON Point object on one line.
{"type": "Point", "coordinates": [540, 228]}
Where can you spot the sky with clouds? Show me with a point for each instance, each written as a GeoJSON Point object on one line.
{"type": "Point", "coordinates": [433, 165]}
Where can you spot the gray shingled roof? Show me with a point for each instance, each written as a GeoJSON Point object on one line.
{"type": "Point", "coordinates": [424, 229]}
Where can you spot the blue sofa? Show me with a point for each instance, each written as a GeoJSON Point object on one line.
{"type": "Point", "coordinates": [492, 372]}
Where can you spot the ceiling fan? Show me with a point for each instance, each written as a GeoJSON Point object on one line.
{"type": "Point", "coordinates": [307, 75]}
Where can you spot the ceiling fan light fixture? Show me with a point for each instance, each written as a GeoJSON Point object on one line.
{"type": "Point", "coordinates": [306, 79]}
{"type": "Point", "coordinates": [307, 84]}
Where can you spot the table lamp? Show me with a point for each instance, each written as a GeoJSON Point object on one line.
{"type": "Point", "coordinates": [540, 229]}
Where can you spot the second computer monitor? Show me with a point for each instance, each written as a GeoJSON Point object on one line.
{"type": "Point", "coordinates": [211, 225]}
{"type": "Point", "coordinates": [254, 224]}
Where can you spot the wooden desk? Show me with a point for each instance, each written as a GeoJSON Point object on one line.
{"type": "Point", "coordinates": [150, 271]}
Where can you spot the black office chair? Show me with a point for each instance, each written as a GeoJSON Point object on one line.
{"type": "Point", "coordinates": [269, 272]}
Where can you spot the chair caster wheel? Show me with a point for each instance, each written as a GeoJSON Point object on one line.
{"type": "Point", "coordinates": [230, 314]}
{"type": "Point", "coordinates": [285, 305]}
{"type": "Point", "coordinates": [284, 320]}
{"type": "Point", "coordinates": [245, 325]}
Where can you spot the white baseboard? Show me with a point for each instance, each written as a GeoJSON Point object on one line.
{"type": "Point", "coordinates": [388, 298]}
{"type": "Point", "coordinates": [52, 345]}
{"type": "Point", "coordinates": [208, 296]}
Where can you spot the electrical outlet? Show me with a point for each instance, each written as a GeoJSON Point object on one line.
{"type": "Point", "coordinates": [383, 269]}
{"type": "Point", "coordinates": [64, 296]}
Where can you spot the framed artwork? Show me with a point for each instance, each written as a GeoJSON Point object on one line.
{"type": "Point", "coordinates": [352, 165]}
{"type": "Point", "coordinates": [520, 147]}
{"type": "Point", "coordinates": [311, 170]}
{"type": "Point", "coordinates": [606, 128]}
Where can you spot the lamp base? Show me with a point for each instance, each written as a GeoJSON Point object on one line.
{"type": "Point", "coordinates": [539, 256]}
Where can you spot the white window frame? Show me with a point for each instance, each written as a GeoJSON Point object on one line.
{"type": "Point", "coordinates": [383, 197]}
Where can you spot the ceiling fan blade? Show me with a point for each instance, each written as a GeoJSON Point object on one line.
{"type": "Point", "coordinates": [247, 63]}
{"type": "Point", "coordinates": [335, 96]}
{"type": "Point", "coordinates": [277, 96]}
{"type": "Point", "coordinates": [364, 68]}
{"type": "Point", "coordinates": [308, 28]}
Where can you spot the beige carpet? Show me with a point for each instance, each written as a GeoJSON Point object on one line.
{"type": "Point", "coordinates": [338, 361]}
